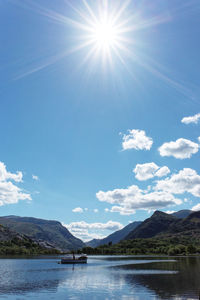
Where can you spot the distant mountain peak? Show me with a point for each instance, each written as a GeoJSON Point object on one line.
{"type": "Point", "coordinates": [162, 214]}
{"type": "Point", "coordinates": [159, 213]}
{"type": "Point", "coordinates": [114, 237]}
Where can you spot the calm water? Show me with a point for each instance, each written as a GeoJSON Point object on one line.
{"type": "Point", "coordinates": [104, 277]}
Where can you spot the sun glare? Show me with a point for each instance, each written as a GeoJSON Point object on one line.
{"type": "Point", "coordinates": [102, 29]}
{"type": "Point", "coordinates": [108, 33]}
{"type": "Point", "coordinates": [105, 35]}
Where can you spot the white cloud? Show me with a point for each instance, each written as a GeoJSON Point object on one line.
{"type": "Point", "coordinates": [163, 171]}
{"type": "Point", "coordinates": [136, 139]}
{"type": "Point", "coordinates": [191, 119]}
{"type": "Point", "coordinates": [181, 148]}
{"type": "Point", "coordinates": [96, 210]}
{"type": "Point", "coordinates": [86, 231]}
{"type": "Point", "coordinates": [196, 207]}
{"type": "Point", "coordinates": [122, 210]}
{"type": "Point", "coordinates": [170, 211]}
{"type": "Point", "coordinates": [5, 175]}
{"type": "Point", "coordinates": [126, 201]}
{"type": "Point", "coordinates": [9, 192]}
{"type": "Point", "coordinates": [149, 170]}
{"type": "Point", "coordinates": [187, 180]}
{"type": "Point", "coordinates": [77, 210]}
{"type": "Point", "coordinates": [35, 177]}
{"type": "Point", "coordinates": [110, 225]}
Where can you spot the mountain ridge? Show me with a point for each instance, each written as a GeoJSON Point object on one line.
{"type": "Point", "coordinates": [49, 231]}
{"type": "Point", "coordinates": [161, 224]}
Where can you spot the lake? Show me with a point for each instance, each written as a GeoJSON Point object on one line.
{"type": "Point", "coordinates": [104, 277]}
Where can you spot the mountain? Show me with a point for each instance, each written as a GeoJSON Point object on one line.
{"type": "Point", "coordinates": [94, 243]}
{"type": "Point", "coordinates": [7, 235]}
{"type": "Point", "coordinates": [115, 237]}
{"type": "Point", "coordinates": [161, 224]}
{"type": "Point", "coordinates": [187, 226]}
{"type": "Point", "coordinates": [157, 223]}
{"type": "Point", "coordinates": [182, 213]}
{"type": "Point", "coordinates": [12, 242]}
{"type": "Point", "coordinates": [45, 231]}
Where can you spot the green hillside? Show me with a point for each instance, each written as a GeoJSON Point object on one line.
{"type": "Point", "coordinates": [157, 223]}
{"type": "Point", "coordinates": [160, 234]}
{"type": "Point", "coordinates": [13, 243]}
{"type": "Point", "coordinates": [43, 230]}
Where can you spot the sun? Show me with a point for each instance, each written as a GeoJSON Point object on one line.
{"type": "Point", "coordinates": [105, 35]}
{"type": "Point", "coordinates": [102, 29]}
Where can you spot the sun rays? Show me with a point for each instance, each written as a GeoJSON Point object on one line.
{"type": "Point", "coordinates": [102, 30]}
{"type": "Point", "coordinates": [105, 36]}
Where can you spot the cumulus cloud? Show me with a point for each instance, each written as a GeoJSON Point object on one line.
{"type": "Point", "coordinates": [5, 175]}
{"type": "Point", "coordinates": [196, 207]}
{"type": "Point", "coordinates": [96, 210]}
{"type": "Point", "coordinates": [77, 210]}
{"type": "Point", "coordinates": [136, 139]}
{"type": "Point", "coordinates": [187, 180]}
{"type": "Point", "coordinates": [35, 177]}
{"type": "Point", "coordinates": [86, 231]}
{"type": "Point", "coordinates": [181, 148]}
{"type": "Point", "coordinates": [191, 119]}
{"type": "Point", "coordinates": [149, 170]}
{"type": "Point", "coordinates": [9, 192]}
{"type": "Point", "coordinates": [126, 201]}
{"type": "Point", "coordinates": [84, 234]}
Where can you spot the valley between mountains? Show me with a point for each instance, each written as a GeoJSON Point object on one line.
{"type": "Point", "coordinates": [162, 233]}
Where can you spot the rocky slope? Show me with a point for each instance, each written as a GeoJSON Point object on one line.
{"type": "Point", "coordinates": [44, 231]}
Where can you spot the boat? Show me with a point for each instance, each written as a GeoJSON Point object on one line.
{"type": "Point", "coordinates": [82, 259]}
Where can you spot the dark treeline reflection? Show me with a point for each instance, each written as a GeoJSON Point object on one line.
{"type": "Point", "coordinates": [184, 283]}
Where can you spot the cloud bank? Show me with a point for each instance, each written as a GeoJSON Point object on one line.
{"type": "Point", "coordinates": [187, 180]}
{"type": "Point", "coordinates": [158, 196]}
{"type": "Point", "coordinates": [86, 231]}
{"type": "Point", "coordinates": [126, 201]}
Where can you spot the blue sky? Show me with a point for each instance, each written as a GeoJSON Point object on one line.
{"type": "Point", "coordinates": [85, 133]}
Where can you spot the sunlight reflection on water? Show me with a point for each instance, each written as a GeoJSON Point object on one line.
{"type": "Point", "coordinates": [102, 278]}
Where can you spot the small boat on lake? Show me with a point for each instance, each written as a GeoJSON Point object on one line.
{"type": "Point", "coordinates": [81, 259]}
